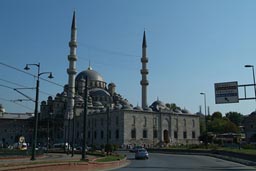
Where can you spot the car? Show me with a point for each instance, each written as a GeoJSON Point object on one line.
{"type": "Point", "coordinates": [141, 154]}
{"type": "Point", "coordinates": [135, 149]}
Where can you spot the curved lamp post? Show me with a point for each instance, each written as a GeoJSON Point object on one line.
{"type": "Point", "coordinates": [36, 105]}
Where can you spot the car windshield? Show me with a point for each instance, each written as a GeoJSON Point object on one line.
{"type": "Point", "coordinates": [142, 150]}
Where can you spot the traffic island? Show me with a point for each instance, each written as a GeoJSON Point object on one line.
{"type": "Point", "coordinates": [90, 165]}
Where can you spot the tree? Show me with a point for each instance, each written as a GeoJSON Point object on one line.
{"type": "Point", "coordinates": [172, 106]}
{"type": "Point", "coordinates": [221, 125]}
{"type": "Point", "coordinates": [216, 115]}
{"type": "Point", "coordinates": [235, 117]}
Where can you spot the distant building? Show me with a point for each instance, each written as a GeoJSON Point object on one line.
{"type": "Point", "coordinates": [250, 127]}
{"type": "Point", "coordinates": [111, 118]}
{"type": "Point", "coordinates": [14, 125]}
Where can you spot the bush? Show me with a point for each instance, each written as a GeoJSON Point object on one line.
{"type": "Point", "coordinates": [108, 148]}
{"type": "Point", "coordinates": [249, 146]}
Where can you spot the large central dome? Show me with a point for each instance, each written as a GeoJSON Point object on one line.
{"type": "Point", "coordinates": [90, 74]}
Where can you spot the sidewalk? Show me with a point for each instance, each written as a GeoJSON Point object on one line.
{"type": "Point", "coordinates": [57, 162]}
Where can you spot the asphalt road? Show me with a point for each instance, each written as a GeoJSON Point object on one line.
{"type": "Point", "coordinates": [164, 162]}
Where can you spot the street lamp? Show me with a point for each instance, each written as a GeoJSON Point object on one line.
{"type": "Point", "coordinates": [84, 157]}
{"type": "Point", "coordinates": [204, 94]}
{"type": "Point", "coordinates": [36, 105]}
{"type": "Point", "coordinates": [251, 66]}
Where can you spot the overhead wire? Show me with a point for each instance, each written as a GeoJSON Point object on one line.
{"type": "Point", "coordinates": [17, 69]}
{"type": "Point", "coordinates": [20, 86]}
{"type": "Point", "coordinates": [12, 101]}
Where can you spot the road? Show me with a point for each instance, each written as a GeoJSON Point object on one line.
{"type": "Point", "coordinates": [167, 162]}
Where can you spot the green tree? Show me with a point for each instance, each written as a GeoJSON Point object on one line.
{"type": "Point", "coordinates": [172, 106]}
{"type": "Point", "coordinates": [235, 117]}
{"type": "Point", "coordinates": [221, 125]}
{"type": "Point", "coordinates": [216, 115]}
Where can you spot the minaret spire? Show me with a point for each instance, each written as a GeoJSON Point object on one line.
{"type": "Point", "coordinates": [144, 72]}
{"type": "Point", "coordinates": [73, 26]}
{"type": "Point", "coordinates": [72, 69]}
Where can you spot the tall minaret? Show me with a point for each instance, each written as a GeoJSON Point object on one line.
{"type": "Point", "coordinates": [72, 69]}
{"type": "Point", "coordinates": [144, 73]}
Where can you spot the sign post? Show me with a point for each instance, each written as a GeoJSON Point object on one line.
{"type": "Point", "coordinates": [226, 92]}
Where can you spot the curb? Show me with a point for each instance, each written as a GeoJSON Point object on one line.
{"type": "Point", "coordinates": [69, 166]}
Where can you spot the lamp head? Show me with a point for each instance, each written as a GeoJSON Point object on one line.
{"type": "Point", "coordinates": [50, 76]}
{"type": "Point", "coordinates": [248, 66]}
{"type": "Point", "coordinates": [27, 68]}
{"type": "Point", "coordinates": [202, 93]}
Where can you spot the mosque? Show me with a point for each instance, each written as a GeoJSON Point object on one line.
{"type": "Point", "coordinates": [111, 119]}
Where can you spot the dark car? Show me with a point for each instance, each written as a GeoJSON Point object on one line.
{"type": "Point", "coordinates": [141, 154]}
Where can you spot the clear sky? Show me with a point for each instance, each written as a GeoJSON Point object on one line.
{"type": "Point", "coordinates": [191, 46]}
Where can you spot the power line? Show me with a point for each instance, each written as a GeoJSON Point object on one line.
{"type": "Point", "coordinates": [12, 101]}
{"type": "Point", "coordinates": [17, 69]}
{"type": "Point", "coordinates": [13, 83]}
{"type": "Point", "coordinates": [25, 87]}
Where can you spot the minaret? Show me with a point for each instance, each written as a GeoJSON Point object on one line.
{"type": "Point", "coordinates": [144, 73]}
{"type": "Point", "coordinates": [72, 69]}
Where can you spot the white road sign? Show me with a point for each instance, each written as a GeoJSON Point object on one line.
{"type": "Point", "coordinates": [226, 92]}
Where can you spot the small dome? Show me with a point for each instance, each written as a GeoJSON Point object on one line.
{"type": "Point", "coordinates": [42, 103]}
{"type": "Point", "coordinates": [148, 109]}
{"type": "Point", "coordinates": [157, 105]}
{"type": "Point", "coordinates": [79, 98]}
{"type": "Point", "coordinates": [118, 106]}
{"type": "Point", "coordinates": [185, 111]}
{"type": "Point", "coordinates": [64, 94]}
{"type": "Point", "coordinates": [112, 85]}
{"type": "Point", "coordinates": [253, 113]}
{"type": "Point", "coordinates": [138, 108]}
{"type": "Point", "coordinates": [177, 111]}
{"type": "Point", "coordinates": [127, 107]}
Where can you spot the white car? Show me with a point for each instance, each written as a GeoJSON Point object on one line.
{"type": "Point", "coordinates": [141, 154]}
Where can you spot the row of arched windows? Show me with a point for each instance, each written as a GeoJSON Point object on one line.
{"type": "Point", "coordinates": [155, 122]}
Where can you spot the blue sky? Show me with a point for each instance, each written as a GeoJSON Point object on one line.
{"type": "Point", "coordinates": [191, 46]}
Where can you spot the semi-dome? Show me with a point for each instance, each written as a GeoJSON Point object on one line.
{"type": "Point", "coordinates": [99, 92]}
{"type": "Point", "coordinates": [90, 74]}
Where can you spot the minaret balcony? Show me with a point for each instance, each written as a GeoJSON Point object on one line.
{"type": "Point", "coordinates": [72, 44]}
{"type": "Point", "coordinates": [144, 59]}
{"type": "Point", "coordinates": [144, 82]}
{"type": "Point", "coordinates": [71, 71]}
{"type": "Point", "coordinates": [144, 71]}
{"type": "Point", "coordinates": [72, 57]}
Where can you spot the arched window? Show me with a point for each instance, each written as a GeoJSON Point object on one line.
{"type": "Point", "coordinates": [133, 133]}
{"type": "Point", "coordinates": [145, 133]}
{"type": "Point", "coordinates": [117, 133]}
{"type": "Point", "coordinates": [145, 121]}
{"type": "Point", "coordinates": [184, 122]}
{"type": "Point", "coordinates": [102, 134]}
{"type": "Point", "coordinates": [117, 120]}
{"type": "Point", "coordinates": [133, 120]}
{"type": "Point", "coordinates": [155, 133]}
{"type": "Point", "coordinates": [193, 123]}
{"type": "Point", "coordinates": [155, 122]}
